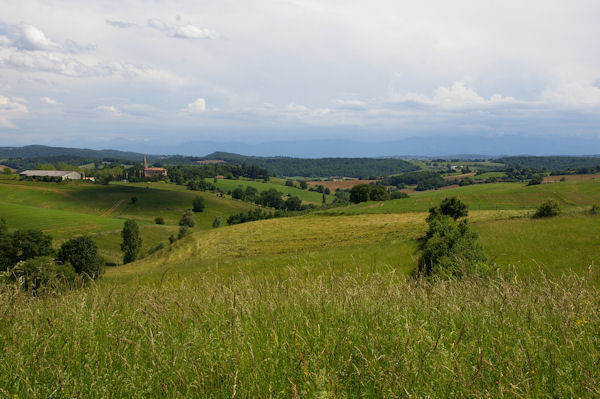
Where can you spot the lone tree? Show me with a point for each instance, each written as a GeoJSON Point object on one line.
{"type": "Point", "coordinates": [452, 207]}
{"type": "Point", "coordinates": [198, 204]}
{"type": "Point", "coordinates": [450, 248]}
{"type": "Point", "coordinates": [82, 254]}
{"type": "Point", "coordinates": [132, 243]}
{"type": "Point", "coordinates": [547, 209]}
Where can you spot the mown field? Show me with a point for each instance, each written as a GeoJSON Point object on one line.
{"type": "Point", "coordinates": [324, 306]}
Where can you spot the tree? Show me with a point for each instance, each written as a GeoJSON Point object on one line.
{"type": "Point", "coordinates": [82, 254]}
{"type": "Point", "coordinates": [271, 198]}
{"type": "Point", "coordinates": [237, 193]}
{"type": "Point", "coordinates": [251, 194]}
{"type": "Point", "coordinates": [450, 248]}
{"type": "Point", "coordinates": [198, 204]}
{"type": "Point", "coordinates": [187, 219]}
{"type": "Point", "coordinates": [22, 245]}
{"type": "Point", "coordinates": [41, 272]}
{"type": "Point", "coordinates": [378, 193]}
{"type": "Point", "coordinates": [293, 204]}
{"type": "Point", "coordinates": [547, 209]}
{"type": "Point", "coordinates": [183, 231]}
{"type": "Point", "coordinates": [7, 171]}
{"type": "Point", "coordinates": [535, 180]}
{"type": "Point", "coordinates": [359, 193]}
{"type": "Point", "coordinates": [303, 184]}
{"type": "Point", "coordinates": [159, 220]}
{"type": "Point", "coordinates": [132, 243]}
{"type": "Point", "coordinates": [452, 207]}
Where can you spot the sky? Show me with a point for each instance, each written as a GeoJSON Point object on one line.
{"type": "Point", "coordinates": [162, 72]}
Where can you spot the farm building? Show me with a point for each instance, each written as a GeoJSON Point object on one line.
{"type": "Point", "coordinates": [151, 172]}
{"type": "Point", "coordinates": [59, 174]}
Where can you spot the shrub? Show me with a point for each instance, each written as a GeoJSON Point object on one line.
{"type": "Point", "coordinates": [183, 231]}
{"type": "Point", "coordinates": [359, 193]}
{"type": "Point", "coordinates": [187, 219]}
{"type": "Point", "coordinates": [452, 207]}
{"type": "Point", "coordinates": [82, 254]}
{"type": "Point", "coordinates": [22, 245]}
{"type": "Point", "coordinates": [537, 179]}
{"type": "Point", "coordinates": [198, 205]}
{"type": "Point", "coordinates": [378, 193]}
{"type": "Point", "coordinates": [218, 222]}
{"type": "Point", "coordinates": [595, 210]}
{"type": "Point", "coordinates": [398, 194]}
{"type": "Point", "coordinates": [293, 204]}
{"type": "Point", "coordinates": [42, 273]}
{"type": "Point", "coordinates": [159, 220]}
{"type": "Point", "coordinates": [547, 209]}
{"type": "Point", "coordinates": [450, 249]}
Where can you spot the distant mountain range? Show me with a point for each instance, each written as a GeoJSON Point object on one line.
{"type": "Point", "coordinates": [411, 147]}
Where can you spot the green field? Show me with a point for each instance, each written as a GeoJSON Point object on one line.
{"type": "Point", "coordinates": [315, 306]}
{"type": "Point", "coordinates": [497, 196]}
{"type": "Point", "coordinates": [65, 210]}
{"type": "Point", "coordinates": [311, 197]}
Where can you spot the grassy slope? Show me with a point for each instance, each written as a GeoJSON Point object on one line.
{"type": "Point", "coordinates": [64, 210]}
{"type": "Point", "coordinates": [489, 196]}
{"type": "Point", "coordinates": [318, 306]}
{"type": "Point", "coordinates": [278, 184]}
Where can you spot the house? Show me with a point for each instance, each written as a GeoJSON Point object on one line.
{"type": "Point", "coordinates": [56, 174]}
{"type": "Point", "coordinates": [151, 172]}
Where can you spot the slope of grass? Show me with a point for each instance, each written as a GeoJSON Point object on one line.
{"type": "Point", "coordinates": [311, 197]}
{"type": "Point", "coordinates": [304, 331]}
{"type": "Point", "coordinates": [488, 196]}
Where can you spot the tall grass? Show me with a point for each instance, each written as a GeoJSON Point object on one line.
{"type": "Point", "coordinates": [302, 331]}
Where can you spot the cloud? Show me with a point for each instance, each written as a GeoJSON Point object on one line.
{"type": "Point", "coordinates": [573, 95]}
{"type": "Point", "coordinates": [48, 100]}
{"type": "Point", "coordinates": [120, 24]}
{"type": "Point", "coordinates": [11, 108]}
{"type": "Point", "coordinates": [196, 107]}
{"type": "Point", "coordinates": [109, 109]}
{"type": "Point", "coordinates": [65, 65]}
{"type": "Point", "coordinates": [183, 32]}
{"type": "Point", "coordinates": [25, 37]}
{"type": "Point", "coordinates": [28, 37]}
{"type": "Point", "coordinates": [456, 96]}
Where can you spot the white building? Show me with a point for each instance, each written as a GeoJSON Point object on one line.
{"type": "Point", "coordinates": [62, 174]}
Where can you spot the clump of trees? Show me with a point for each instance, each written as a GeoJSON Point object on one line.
{"type": "Point", "coordinates": [450, 248]}
{"type": "Point", "coordinates": [368, 192]}
{"type": "Point", "coordinates": [28, 259]}
{"type": "Point", "coordinates": [548, 208]}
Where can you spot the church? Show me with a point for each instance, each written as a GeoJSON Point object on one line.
{"type": "Point", "coordinates": [152, 172]}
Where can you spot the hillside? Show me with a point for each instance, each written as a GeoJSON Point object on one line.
{"type": "Point", "coordinates": [551, 163]}
{"type": "Point", "coordinates": [321, 167]}
{"type": "Point", "coordinates": [42, 151]}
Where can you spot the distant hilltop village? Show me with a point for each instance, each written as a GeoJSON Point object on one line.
{"type": "Point", "coordinates": [151, 172]}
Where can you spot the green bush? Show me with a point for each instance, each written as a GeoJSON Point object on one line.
{"type": "Point", "coordinates": [198, 205]}
{"type": "Point", "coordinates": [82, 254]}
{"type": "Point", "coordinates": [218, 222]}
{"type": "Point", "coordinates": [187, 219]}
{"type": "Point", "coordinates": [547, 209]}
{"type": "Point", "coordinates": [159, 220]}
{"type": "Point", "coordinates": [452, 207]}
{"type": "Point", "coordinates": [183, 231]}
{"type": "Point", "coordinates": [398, 194]}
{"type": "Point", "coordinates": [595, 210]}
{"type": "Point", "coordinates": [41, 273]}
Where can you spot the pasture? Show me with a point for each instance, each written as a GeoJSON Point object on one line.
{"type": "Point", "coordinates": [315, 306]}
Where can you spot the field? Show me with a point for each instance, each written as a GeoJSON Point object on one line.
{"type": "Point", "coordinates": [311, 197]}
{"type": "Point", "coordinates": [341, 184]}
{"type": "Point", "coordinates": [320, 306]}
{"type": "Point", "coordinates": [64, 210]}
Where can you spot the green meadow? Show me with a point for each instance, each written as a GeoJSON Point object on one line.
{"type": "Point", "coordinates": [315, 306]}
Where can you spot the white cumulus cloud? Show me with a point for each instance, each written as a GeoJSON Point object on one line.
{"type": "Point", "coordinates": [196, 107]}
{"type": "Point", "coordinates": [183, 32]}
{"type": "Point", "coordinates": [48, 100]}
